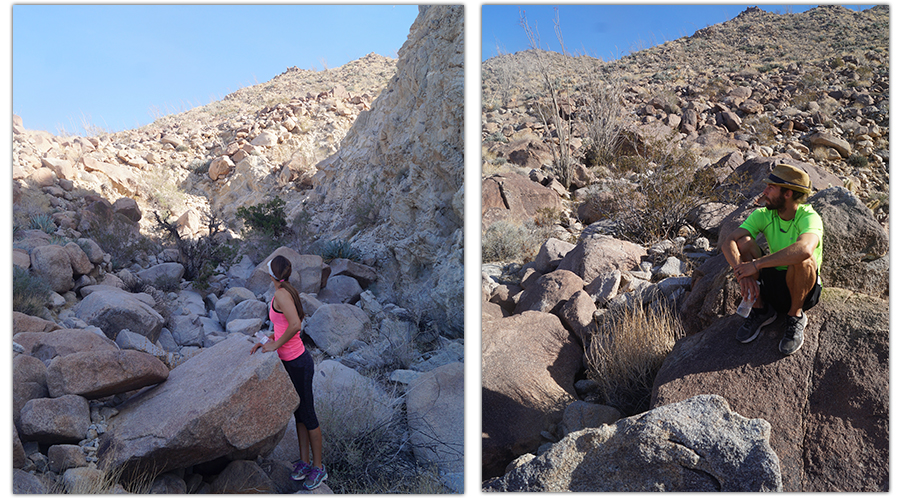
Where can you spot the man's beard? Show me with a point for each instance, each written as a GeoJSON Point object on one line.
{"type": "Point", "coordinates": [777, 204]}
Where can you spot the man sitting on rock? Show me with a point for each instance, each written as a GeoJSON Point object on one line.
{"type": "Point", "coordinates": [787, 279]}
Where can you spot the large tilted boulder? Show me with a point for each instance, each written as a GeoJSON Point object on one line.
{"type": "Point", "coordinates": [113, 310]}
{"type": "Point", "coordinates": [436, 424]}
{"type": "Point", "coordinates": [48, 345]}
{"type": "Point", "coordinates": [597, 254]}
{"type": "Point", "coordinates": [699, 444]}
{"type": "Point", "coordinates": [198, 414]}
{"type": "Point", "coordinates": [855, 251]}
{"type": "Point", "coordinates": [306, 272]}
{"type": "Point", "coordinates": [528, 367]}
{"type": "Point", "coordinates": [97, 374]}
{"type": "Point", "coordinates": [827, 403]}
{"type": "Point", "coordinates": [333, 327]}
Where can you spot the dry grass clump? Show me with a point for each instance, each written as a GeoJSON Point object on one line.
{"type": "Point", "coordinates": [627, 350]}
{"type": "Point", "coordinates": [366, 447]}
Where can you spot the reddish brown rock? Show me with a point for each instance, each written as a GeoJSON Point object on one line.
{"type": "Point", "coordinates": [99, 374]}
{"type": "Point", "coordinates": [528, 367]}
{"type": "Point", "coordinates": [514, 198]}
{"type": "Point", "coordinates": [24, 323]}
{"type": "Point", "coordinates": [549, 292]}
{"type": "Point", "coordinates": [29, 382]}
{"type": "Point", "coordinates": [47, 345]}
{"type": "Point", "coordinates": [597, 254]}
{"type": "Point", "coordinates": [55, 420]}
{"type": "Point", "coordinates": [827, 403]}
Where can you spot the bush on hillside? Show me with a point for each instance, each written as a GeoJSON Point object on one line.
{"type": "Point", "coordinates": [503, 242]}
{"type": "Point", "coordinates": [199, 256]}
{"type": "Point", "coordinates": [267, 219]}
{"type": "Point", "coordinates": [30, 293]}
{"type": "Point", "coordinates": [665, 187]}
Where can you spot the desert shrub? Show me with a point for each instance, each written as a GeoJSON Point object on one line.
{"type": "Point", "coordinates": [503, 241]}
{"type": "Point", "coordinates": [43, 222]}
{"type": "Point", "coordinates": [199, 256]}
{"type": "Point", "coordinates": [121, 241]}
{"type": "Point", "coordinates": [857, 160]}
{"type": "Point", "coordinates": [167, 284]}
{"type": "Point", "coordinates": [547, 217]}
{"type": "Point", "coordinates": [30, 292]}
{"type": "Point", "coordinates": [338, 249]}
{"type": "Point", "coordinates": [626, 350]}
{"type": "Point", "coordinates": [267, 219]}
{"type": "Point", "coordinates": [655, 206]}
{"type": "Point", "coordinates": [200, 167]}
{"type": "Point", "coordinates": [496, 137]}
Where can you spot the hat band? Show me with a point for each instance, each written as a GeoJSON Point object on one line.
{"type": "Point", "coordinates": [778, 180]}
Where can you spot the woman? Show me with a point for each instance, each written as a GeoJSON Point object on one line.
{"type": "Point", "coordinates": [286, 314]}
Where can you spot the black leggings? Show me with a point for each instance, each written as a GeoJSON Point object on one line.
{"type": "Point", "coordinates": [301, 370]}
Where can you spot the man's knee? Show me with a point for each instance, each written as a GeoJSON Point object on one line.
{"type": "Point", "coordinates": [748, 248]}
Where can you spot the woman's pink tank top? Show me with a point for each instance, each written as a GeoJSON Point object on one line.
{"type": "Point", "coordinates": [292, 348]}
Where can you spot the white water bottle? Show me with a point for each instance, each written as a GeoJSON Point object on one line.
{"type": "Point", "coordinates": [262, 337]}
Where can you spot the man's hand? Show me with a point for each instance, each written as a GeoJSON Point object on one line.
{"type": "Point", "coordinates": [749, 288]}
{"type": "Point", "coordinates": [745, 270]}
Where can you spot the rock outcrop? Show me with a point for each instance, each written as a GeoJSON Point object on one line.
{"type": "Point", "coordinates": [826, 403]}
{"type": "Point", "coordinates": [399, 173]}
{"type": "Point", "coordinates": [199, 415]}
{"type": "Point", "coordinates": [699, 444]}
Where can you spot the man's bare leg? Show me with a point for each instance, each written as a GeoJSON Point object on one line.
{"type": "Point", "coordinates": [801, 278]}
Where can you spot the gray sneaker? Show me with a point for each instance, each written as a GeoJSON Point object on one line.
{"type": "Point", "coordinates": [755, 322]}
{"type": "Point", "coordinates": [793, 334]}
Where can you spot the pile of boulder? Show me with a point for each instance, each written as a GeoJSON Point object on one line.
{"type": "Point", "coordinates": [110, 383]}
{"type": "Point", "coordinates": [553, 303]}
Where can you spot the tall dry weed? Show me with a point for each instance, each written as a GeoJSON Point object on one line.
{"type": "Point", "coordinates": [627, 349]}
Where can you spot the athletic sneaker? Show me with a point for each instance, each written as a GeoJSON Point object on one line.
{"type": "Point", "coordinates": [793, 334]}
{"type": "Point", "coordinates": [315, 478]}
{"type": "Point", "coordinates": [755, 322]}
{"type": "Point", "coordinates": [301, 470]}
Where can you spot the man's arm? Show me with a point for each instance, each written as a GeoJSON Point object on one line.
{"type": "Point", "coordinates": [795, 253]}
{"type": "Point", "coordinates": [730, 247]}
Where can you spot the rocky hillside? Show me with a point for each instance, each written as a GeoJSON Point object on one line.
{"type": "Point", "coordinates": [603, 199]}
{"type": "Point", "coordinates": [129, 302]}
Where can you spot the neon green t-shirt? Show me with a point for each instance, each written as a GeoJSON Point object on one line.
{"type": "Point", "coordinates": [782, 233]}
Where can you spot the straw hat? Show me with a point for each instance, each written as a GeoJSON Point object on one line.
{"type": "Point", "coordinates": [790, 177]}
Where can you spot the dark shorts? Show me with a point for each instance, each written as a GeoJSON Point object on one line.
{"type": "Point", "coordinates": [301, 370]}
{"type": "Point", "coordinates": [774, 290]}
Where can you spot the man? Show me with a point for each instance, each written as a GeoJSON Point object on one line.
{"type": "Point", "coordinates": [787, 279]}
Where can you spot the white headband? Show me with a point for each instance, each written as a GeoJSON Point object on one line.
{"type": "Point", "coordinates": [273, 274]}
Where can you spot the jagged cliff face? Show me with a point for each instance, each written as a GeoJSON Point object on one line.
{"type": "Point", "coordinates": [395, 186]}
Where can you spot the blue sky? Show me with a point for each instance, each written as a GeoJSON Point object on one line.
{"type": "Point", "coordinates": [116, 66]}
{"type": "Point", "coordinates": [606, 31]}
